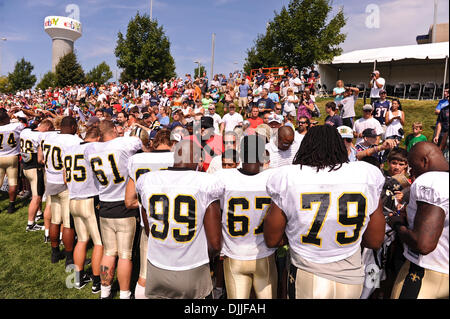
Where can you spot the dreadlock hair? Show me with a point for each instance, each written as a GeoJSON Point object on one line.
{"type": "Point", "coordinates": [322, 147]}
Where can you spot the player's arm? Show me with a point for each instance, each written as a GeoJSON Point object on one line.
{"type": "Point", "coordinates": [428, 226]}
{"type": "Point", "coordinates": [213, 228]}
{"type": "Point", "coordinates": [374, 235]}
{"type": "Point", "coordinates": [40, 156]}
{"type": "Point", "coordinates": [274, 226]}
{"type": "Point", "coordinates": [131, 200]}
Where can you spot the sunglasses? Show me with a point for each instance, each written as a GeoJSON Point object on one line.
{"type": "Point", "coordinates": [302, 122]}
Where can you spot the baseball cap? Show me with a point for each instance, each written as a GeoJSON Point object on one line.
{"type": "Point", "coordinates": [345, 131]}
{"type": "Point", "coordinates": [367, 107]}
{"type": "Point", "coordinates": [382, 91]}
{"type": "Point", "coordinates": [369, 132]}
{"type": "Point", "coordinates": [275, 118]}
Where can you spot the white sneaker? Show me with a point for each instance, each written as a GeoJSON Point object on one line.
{"type": "Point", "coordinates": [34, 227]}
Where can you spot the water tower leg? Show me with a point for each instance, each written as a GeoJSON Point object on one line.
{"type": "Point", "coordinates": [60, 48]}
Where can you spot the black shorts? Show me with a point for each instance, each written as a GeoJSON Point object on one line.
{"type": "Point", "coordinates": [116, 210]}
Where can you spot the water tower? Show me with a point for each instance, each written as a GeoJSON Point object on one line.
{"type": "Point", "coordinates": [64, 32]}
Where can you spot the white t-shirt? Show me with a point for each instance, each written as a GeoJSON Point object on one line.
{"type": "Point", "coordinates": [244, 205]}
{"type": "Point", "coordinates": [217, 120]}
{"type": "Point", "coordinates": [348, 106]}
{"type": "Point", "coordinates": [278, 157]}
{"type": "Point", "coordinates": [361, 124]}
{"type": "Point", "coordinates": [375, 91]}
{"type": "Point", "coordinates": [327, 212]}
{"type": "Point", "coordinates": [430, 188]}
{"type": "Point", "coordinates": [231, 121]}
{"type": "Point", "coordinates": [289, 105]}
{"type": "Point", "coordinates": [176, 203]}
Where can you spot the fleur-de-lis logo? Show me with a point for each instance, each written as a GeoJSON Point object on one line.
{"type": "Point", "coordinates": [291, 279]}
{"type": "Point", "coordinates": [414, 277]}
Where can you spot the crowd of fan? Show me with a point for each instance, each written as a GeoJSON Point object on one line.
{"type": "Point", "coordinates": [259, 105]}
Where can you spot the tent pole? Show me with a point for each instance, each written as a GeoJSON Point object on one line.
{"type": "Point", "coordinates": [445, 76]}
{"type": "Point", "coordinates": [374, 65]}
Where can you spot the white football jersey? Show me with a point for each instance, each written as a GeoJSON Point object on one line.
{"type": "Point", "coordinates": [53, 148]}
{"type": "Point", "coordinates": [79, 176]}
{"type": "Point", "coordinates": [327, 212]}
{"type": "Point", "coordinates": [244, 205]}
{"type": "Point", "coordinates": [29, 143]}
{"type": "Point", "coordinates": [176, 201]}
{"type": "Point", "coordinates": [109, 163]}
{"type": "Point", "coordinates": [9, 139]}
{"type": "Point", "coordinates": [43, 136]}
{"type": "Point", "coordinates": [431, 188]}
{"type": "Point", "coordinates": [142, 163]}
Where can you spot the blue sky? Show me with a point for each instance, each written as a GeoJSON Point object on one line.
{"type": "Point", "coordinates": [189, 24]}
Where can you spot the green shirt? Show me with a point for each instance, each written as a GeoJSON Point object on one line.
{"type": "Point", "coordinates": [411, 140]}
{"type": "Point", "coordinates": [206, 102]}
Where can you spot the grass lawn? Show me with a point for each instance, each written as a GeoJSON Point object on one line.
{"type": "Point", "coordinates": [26, 271]}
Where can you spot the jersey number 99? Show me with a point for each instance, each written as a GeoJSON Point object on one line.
{"type": "Point", "coordinates": [161, 213]}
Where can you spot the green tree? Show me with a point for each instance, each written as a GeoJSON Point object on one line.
{"type": "Point", "coordinates": [197, 73]}
{"type": "Point", "coordinates": [100, 74]}
{"type": "Point", "coordinates": [21, 78]}
{"type": "Point", "coordinates": [5, 87]}
{"type": "Point", "coordinates": [145, 51]}
{"type": "Point", "coordinates": [48, 80]}
{"type": "Point", "coordinates": [69, 71]}
{"type": "Point", "coordinates": [300, 35]}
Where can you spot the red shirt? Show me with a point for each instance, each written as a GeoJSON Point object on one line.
{"type": "Point", "coordinates": [118, 107]}
{"type": "Point", "coordinates": [215, 144]}
{"type": "Point", "coordinates": [255, 122]}
{"type": "Point", "coordinates": [169, 92]}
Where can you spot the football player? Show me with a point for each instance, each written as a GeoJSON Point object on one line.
{"type": "Point", "coordinates": [108, 160]}
{"type": "Point", "coordinates": [184, 220]}
{"type": "Point", "coordinates": [424, 228]}
{"type": "Point", "coordinates": [83, 194]}
{"type": "Point", "coordinates": [52, 149]}
{"type": "Point", "coordinates": [327, 207]}
{"type": "Point", "coordinates": [9, 151]}
{"type": "Point", "coordinates": [33, 171]}
{"type": "Point", "coordinates": [159, 159]}
{"type": "Point", "coordinates": [248, 261]}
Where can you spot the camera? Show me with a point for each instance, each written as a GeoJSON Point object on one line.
{"type": "Point", "coordinates": [372, 74]}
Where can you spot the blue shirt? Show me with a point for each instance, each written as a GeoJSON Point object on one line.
{"type": "Point", "coordinates": [243, 90]}
{"type": "Point", "coordinates": [274, 97]}
{"type": "Point", "coordinates": [380, 109]}
{"type": "Point", "coordinates": [164, 121]}
{"type": "Point", "coordinates": [442, 103]}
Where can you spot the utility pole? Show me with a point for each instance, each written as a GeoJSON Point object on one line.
{"type": "Point", "coordinates": [1, 40]}
{"type": "Point", "coordinates": [151, 10]}
{"type": "Point", "coordinates": [212, 57]}
{"type": "Point", "coordinates": [433, 36]}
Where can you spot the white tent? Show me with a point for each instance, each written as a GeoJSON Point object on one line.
{"type": "Point", "coordinates": [408, 64]}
